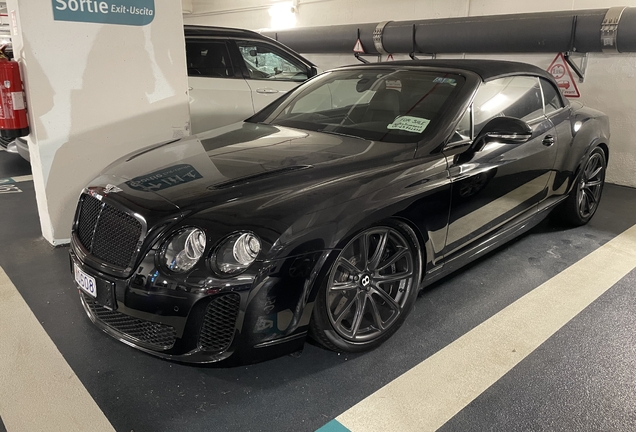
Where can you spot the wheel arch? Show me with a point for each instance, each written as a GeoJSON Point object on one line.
{"type": "Point", "coordinates": [424, 219]}
{"type": "Point", "coordinates": [422, 243]}
{"type": "Point", "coordinates": [319, 327]}
{"type": "Point", "coordinates": [605, 149]}
{"type": "Point", "coordinates": [421, 240]}
{"type": "Point", "coordinates": [594, 143]}
{"type": "Point", "coordinates": [593, 133]}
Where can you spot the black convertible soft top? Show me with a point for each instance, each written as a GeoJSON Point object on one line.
{"type": "Point", "coordinates": [486, 69]}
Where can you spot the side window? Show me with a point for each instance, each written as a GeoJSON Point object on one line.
{"type": "Point", "coordinates": [552, 98]}
{"type": "Point", "coordinates": [208, 59]}
{"type": "Point", "coordinates": [267, 62]}
{"type": "Point", "coordinates": [518, 97]}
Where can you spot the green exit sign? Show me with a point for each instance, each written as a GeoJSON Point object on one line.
{"type": "Point", "coordinates": [122, 12]}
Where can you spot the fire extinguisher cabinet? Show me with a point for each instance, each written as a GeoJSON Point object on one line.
{"type": "Point", "coordinates": [13, 114]}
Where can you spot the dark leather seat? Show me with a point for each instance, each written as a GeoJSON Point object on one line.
{"type": "Point", "coordinates": [384, 106]}
{"type": "Point", "coordinates": [208, 60]}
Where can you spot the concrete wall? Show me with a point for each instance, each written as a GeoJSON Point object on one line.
{"type": "Point", "coordinates": [609, 84]}
{"type": "Point", "coordinates": [95, 92]}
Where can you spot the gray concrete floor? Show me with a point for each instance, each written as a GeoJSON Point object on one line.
{"type": "Point", "coordinates": [580, 379]}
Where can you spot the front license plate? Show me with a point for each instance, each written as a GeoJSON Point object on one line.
{"type": "Point", "coordinates": [85, 282]}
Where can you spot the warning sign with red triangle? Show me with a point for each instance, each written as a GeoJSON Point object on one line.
{"type": "Point", "coordinates": [358, 47]}
{"type": "Point", "coordinates": [390, 57]}
{"type": "Point", "coordinates": [561, 72]}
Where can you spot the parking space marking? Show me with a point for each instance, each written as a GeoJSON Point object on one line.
{"type": "Point", "coordinates": [39, 391]}
{"type": "Point", "coordinates": [20, 179]}
{"type": "Point", "coordinates": [17, 179]}
{"type": "Point", "coordinates": [430, 394]}
{"type": "Point", "coordinates": [333, 426]}
{"type": "Point", "coordinates": [9, 188]}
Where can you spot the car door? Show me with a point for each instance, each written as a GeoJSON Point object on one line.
{"type": "Point", "coordinates": [270, 72]}
{"type": "Point", "coordinates": [219, 95]}
{"type": "Point", "coordinates": [560, 115]}
{"type": "Point", "coordinates": [501, 182]}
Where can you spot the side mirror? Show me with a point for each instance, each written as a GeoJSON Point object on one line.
{"type": "Point", "coordinates": [504, 130]}
{"type": "Point", "coordinates": [313, 71]}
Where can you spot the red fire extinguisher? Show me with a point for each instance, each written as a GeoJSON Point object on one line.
{"type": "Point", "coordinates": [13, 115]}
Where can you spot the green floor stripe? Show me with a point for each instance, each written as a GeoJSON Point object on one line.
{"type": "Point", "coordinates": [333, 426]}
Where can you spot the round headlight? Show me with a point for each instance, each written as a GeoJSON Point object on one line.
{"type": "Point", "coordinates": [184, 250]}
{"type": "Point", "coordinates": [236, 253]}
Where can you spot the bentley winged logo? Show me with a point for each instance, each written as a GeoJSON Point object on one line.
{"type": "Point", "coordinates": [112, 189]}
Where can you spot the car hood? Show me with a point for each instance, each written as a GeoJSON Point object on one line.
{"type": "Point", "coordinates": [242, 159]}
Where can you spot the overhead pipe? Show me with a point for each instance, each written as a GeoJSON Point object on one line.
{"type": "Point", "coordinates": [594, 30]}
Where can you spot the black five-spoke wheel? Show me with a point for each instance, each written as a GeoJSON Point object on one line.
{"type": "Point", "coordinates": [369, 290]}
{"type": "Point", "coordinates": [585, 197]}
{"type": "Point", "coordinates": [591, 185]}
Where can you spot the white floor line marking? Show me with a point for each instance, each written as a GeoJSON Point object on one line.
{"type": "Point", "coordinates": [427, 396]}
{"type": "Point", "coordinates": [20, 179]}
{"type": "Point", "coordinates": [38, 390]}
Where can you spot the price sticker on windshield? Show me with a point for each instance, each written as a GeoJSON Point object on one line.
{"type": "Point", "coordinates": [409, 124]}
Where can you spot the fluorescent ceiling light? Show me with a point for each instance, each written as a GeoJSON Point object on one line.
{"type": "Point", "coordinates": [283, 15]}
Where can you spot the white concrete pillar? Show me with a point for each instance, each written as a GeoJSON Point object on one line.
{"type": "Point", "coordinates": [96, 91]}
{"type": "Point", "coordinates": [187, 6]}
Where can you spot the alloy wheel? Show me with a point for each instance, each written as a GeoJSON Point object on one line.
{"type": "Point", "coordinates": [591, 185]}
{"type": "Point", "coordinates": [369, 284]}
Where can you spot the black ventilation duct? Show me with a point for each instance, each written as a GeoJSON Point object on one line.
{"type": "Point", "coordinates": [595, 30]}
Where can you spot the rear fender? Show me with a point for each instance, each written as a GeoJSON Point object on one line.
{"type": "Point", "coordinates": [590, 132]}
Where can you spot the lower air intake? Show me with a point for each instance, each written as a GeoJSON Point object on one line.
{"type": "Point", "coordinates": [219, 323]}
{"type": "Point", "coordinates": [152, 335]}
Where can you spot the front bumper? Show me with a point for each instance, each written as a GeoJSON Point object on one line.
{"type": "Point", "coordinates": [257, 317]}
{"type": "Point", "coordinates": [16, 145]}
{"type": "Point", "coordinates": [23, 149]}
{"type": "Point", "coordinates": [142, 322]}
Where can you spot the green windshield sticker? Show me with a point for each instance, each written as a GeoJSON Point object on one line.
{"type": "Point", "coordinates": [440, 80]}
{"type": "Point", "coordinates": [409, 124]}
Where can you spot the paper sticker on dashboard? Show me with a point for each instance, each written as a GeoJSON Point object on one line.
{"type": "Point", "coordinates": [409, 124]}
{"type": "Point", "coordinates": [393, 85]}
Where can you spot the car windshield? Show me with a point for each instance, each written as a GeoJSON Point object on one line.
{"type": "Point", "coordinates": [377, 104]}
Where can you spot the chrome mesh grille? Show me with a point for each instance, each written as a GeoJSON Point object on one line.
{"type": "Point", "coordinates": [217, 331]}
{"type": "Point", "coordinates": [107, 232]}
{"type": "Point", "coordinates": [154, 335]}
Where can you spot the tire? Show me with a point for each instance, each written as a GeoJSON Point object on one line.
{"type": "Point", "coordinates": [585, 196]}
{"type": "Point", "coordinates": [365, 298]}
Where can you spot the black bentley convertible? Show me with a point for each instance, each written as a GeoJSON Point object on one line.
{"type": "Point", "coordinates": [324, 214]}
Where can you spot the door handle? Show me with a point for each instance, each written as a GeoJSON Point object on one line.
{"type": "Point", "coordinates": [267, 90]}
{"type": "Point", "coordinates": [548, 140]}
